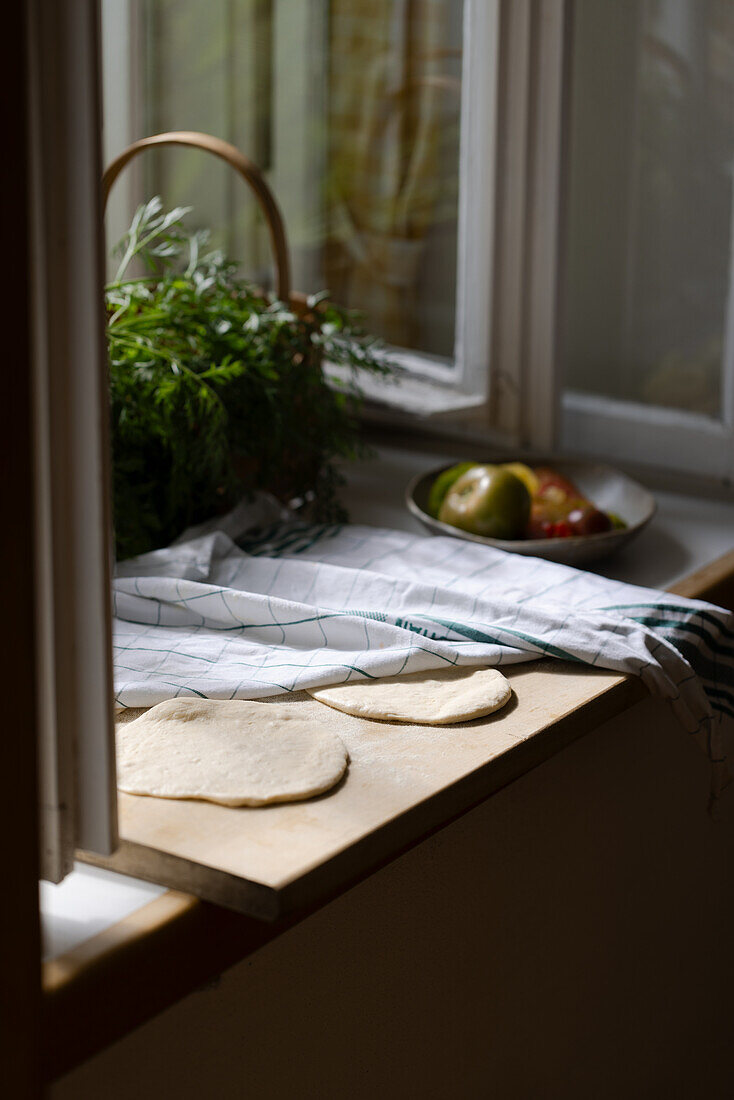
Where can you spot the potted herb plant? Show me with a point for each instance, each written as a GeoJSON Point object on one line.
{"type": "Point", "coordinates": [217, 388]}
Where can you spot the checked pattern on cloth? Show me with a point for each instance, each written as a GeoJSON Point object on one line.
{"type": "Point", "coordinates": [297, 606]}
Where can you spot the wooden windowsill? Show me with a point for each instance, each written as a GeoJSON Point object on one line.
{"type": "Point", "coordinates": [178, 942]}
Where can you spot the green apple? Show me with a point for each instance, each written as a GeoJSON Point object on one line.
{"type": "Point", "coordinates": [489, 501]}
{"type": "Point", "coordinates": [442, 484]}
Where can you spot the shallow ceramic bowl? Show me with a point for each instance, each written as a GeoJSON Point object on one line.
{"type": "Point", "coordinates": [607, 488]}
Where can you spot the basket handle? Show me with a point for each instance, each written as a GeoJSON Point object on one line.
{"type": "Point", "coordinates": [249, 172]}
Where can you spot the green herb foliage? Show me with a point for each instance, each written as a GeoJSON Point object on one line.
{"type": "Point", "coordinates": [216, 388]}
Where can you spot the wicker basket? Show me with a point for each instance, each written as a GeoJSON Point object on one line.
{"type": "Point", "coordinates": [247, 469]}
{"type": "Point", "coordinates": [249, 173]}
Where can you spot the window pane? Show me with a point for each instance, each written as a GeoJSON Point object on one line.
{"type": "Point", "coordinates": [352, 108]}
{"type": "Point", "coordinates": [650, 205]}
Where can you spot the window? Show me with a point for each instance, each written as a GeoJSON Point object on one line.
{"type": "Point", "coordinates": [353, 109]}
{"type": "Point", "coordinates": [71, 531]}
{"type": "Point", "coordinates": [422, 153]}
{"type": "Point", "coordinates": [358, 113]}
{"type": "Point", "coordinates": [505, 192]}
{"type": "Point", "coordinates": [649, 325]}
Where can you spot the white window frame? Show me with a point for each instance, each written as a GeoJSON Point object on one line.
{"type": "Point", "coordinates": [465, 382]}
{"type": "Point", "coordinates": [432, 384]}
{"type": "Point", "coordinates": [648, 434]}
{"type": "Point", "coordinates": [506, 379]}
{"type": "Point", "coordinates": [657, 436]}
{"type": "Point", "coordinates": [468, 376]}
{"type": "Point", "coordinates": [77, 788]}
{"type": "Point", "coordinates": [511, 190]}
{"type": "Point", "coordinates": [523, 402]}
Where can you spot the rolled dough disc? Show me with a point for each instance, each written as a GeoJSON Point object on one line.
{"type": "Point", "coordinates": [236, 753]}
{"type": "Point", "coordinates": [427, 698]}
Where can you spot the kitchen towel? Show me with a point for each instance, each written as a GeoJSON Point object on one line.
{"type": "Point", "coordinates": [256, 609]}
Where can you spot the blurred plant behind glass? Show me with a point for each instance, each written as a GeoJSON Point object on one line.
{"type": "Point", "coordinates": [351, 107]}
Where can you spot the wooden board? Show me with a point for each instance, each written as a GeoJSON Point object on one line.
{"type": "Point", "coordinates": [403, 782]}
{"type": "Point", "coordinates": [131, 971]}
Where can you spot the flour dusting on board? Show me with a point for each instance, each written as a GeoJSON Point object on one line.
{"type": "Point", "coordinates": [393, 749]}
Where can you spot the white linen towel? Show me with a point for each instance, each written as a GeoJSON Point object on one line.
{"type": "Point", "coordinates": [295, 606]}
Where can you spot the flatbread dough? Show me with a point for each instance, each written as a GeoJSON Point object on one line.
{"type": "Point", "coordinates": [236, 753]}
{"type": "Point", "coordinates": [427, 698]}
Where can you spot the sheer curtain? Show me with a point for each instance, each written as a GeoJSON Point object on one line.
{"type": "Point", "coordinates": [389, 99]}
{"type": "Point", "coordinates": [351, 107]}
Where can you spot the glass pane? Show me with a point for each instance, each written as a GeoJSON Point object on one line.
{"type": "Point", "coordinates": [352, 108]}
{"type": "Point", "coordinates": [650, 205]}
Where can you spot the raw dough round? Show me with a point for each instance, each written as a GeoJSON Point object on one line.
{"type": "Point", "coordinates": [236, 753]}
{"type": "Point", "coordinates": [427, 698]}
